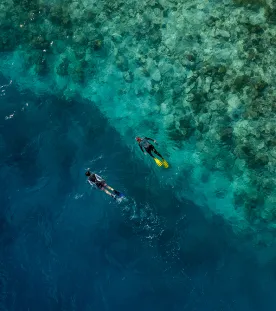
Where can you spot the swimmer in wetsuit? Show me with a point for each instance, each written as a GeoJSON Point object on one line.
{"type": "Point", "coordinates": [149, 148]}
{"type": "Point", "coordinates": [144, 143]}
{"type": "Point", "coordinates": [96, 180]}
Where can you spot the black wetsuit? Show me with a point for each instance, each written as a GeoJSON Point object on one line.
{"type": "Point", "coordinates": [144, 143]}
{"type": "Point", "coordinates": [98, 183]}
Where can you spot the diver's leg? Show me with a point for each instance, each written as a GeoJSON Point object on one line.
{"type": "Point", "coordinates": [108, 187]}
{"type": "Point", "coordinates": [149, 150]}
{"type": "Point", "coordinates": [108, 192]}
{"type": "Point", "coordinates": [112, 189]}
{"type": "Point", "coordinates": [156, 152]}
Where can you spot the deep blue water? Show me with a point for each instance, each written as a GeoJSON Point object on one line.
{"type": "Point", "coordinates": [65, 246]}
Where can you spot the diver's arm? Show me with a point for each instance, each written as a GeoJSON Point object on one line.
{"type": "Point", "coordinates": [99, 178]}
{"type": "Point", "coordinates": [91, 183]}
{"type": "Point", "coordinates": [151, 139]}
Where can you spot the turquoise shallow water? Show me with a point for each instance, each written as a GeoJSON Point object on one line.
{"type": "Point", "coordinates": [65, 246]}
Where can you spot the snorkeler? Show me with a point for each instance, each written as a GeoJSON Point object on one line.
{"type": "Point", "coordinates": [149, 148]}
{"type": "Point", "coordinates": [96, 180]}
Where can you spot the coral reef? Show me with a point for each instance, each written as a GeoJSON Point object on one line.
{"type": "Point", "coordinates": [202, 73]}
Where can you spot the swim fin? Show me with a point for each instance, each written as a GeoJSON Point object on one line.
{"type": "Point", "coordinates": [158, 162]}
{"type": "Point", "coordinates": [165, 163]}
{"type": "Point", "coordinates": [118, 194]}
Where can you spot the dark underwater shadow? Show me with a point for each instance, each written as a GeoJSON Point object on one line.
{"type": "Point", "coordinates": [80, 250]}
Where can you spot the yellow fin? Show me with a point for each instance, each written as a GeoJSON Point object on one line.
{"type": "Point", "coordinates": [165, 163]}
{"type": "Point", "coordinates": [158, 162]}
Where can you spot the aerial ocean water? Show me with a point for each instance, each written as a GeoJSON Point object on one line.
{"type": "Point", "coordinates": [78, 81]}
{"type": "Point", "coordinates": [65, 246]}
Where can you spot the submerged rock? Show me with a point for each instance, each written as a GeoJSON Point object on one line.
{"type": "Point", "coordinates": [258, 161]}
{"type": "Point", "coordinates": [128, 76]}
{"type": "Point", "coordinates": [271, 14]}
{"type": "Point", "coordinates": [156, 76]}
{"type": "Point", "coordinates": [97, 45]}
{"type": "Point", "coordinates": [62, 69]}
{"type": "Point", "coordinates": [226, 135]}
{"type": "Point", "coordinates": [246, 2]}
{"type": "Point", "coordinates": [241, 82]}
{"type": "Point", "coordinates": [122, 63]}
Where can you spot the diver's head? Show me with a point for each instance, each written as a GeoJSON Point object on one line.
{"type": "Point", "coordinates": [138, 139]}
{"type": "Point", "coordinates": [87, 173]}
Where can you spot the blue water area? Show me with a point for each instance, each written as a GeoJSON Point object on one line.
{"type": "Point", "coordinates": [67, 246]}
